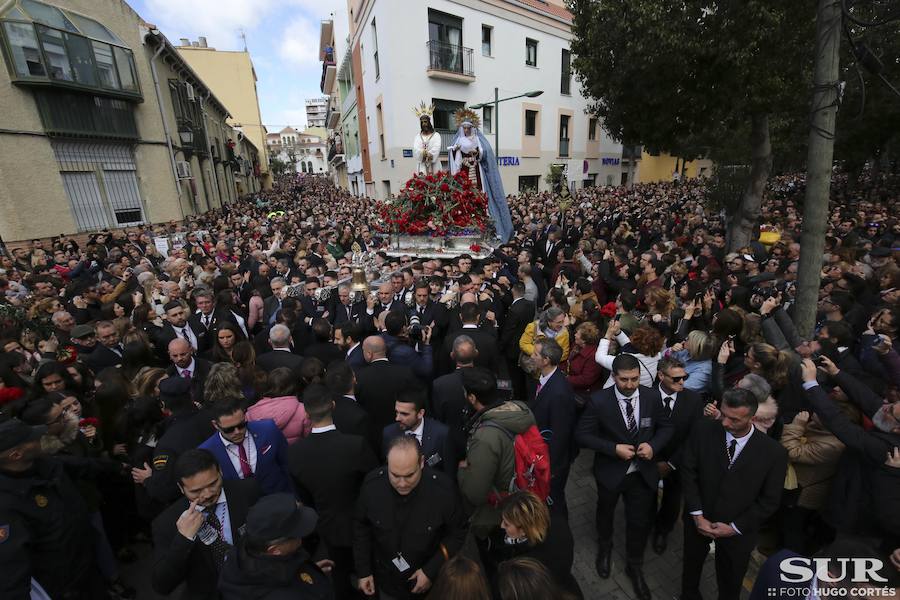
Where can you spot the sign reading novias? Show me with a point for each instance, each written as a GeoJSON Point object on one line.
{"type": "Point", "coordinates": [610, 161]}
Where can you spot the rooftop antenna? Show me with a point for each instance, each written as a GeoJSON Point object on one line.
{"type": "Point", "coordinates": [244, 38]}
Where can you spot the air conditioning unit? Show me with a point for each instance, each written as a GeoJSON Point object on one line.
{"type": "Point", "coordinates": [190, 91]}
{"type": "Point", "coordinates": [183, 168]}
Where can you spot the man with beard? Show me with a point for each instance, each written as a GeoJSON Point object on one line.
{"type": "Point", "coordinates": [427, 143]}
{"type": "Point", "coordinates": [873, 490]}
{"type": "Point", "coordinates": [270, 561]}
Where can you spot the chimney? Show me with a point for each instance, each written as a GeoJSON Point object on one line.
{"type": "Point", "coordinates": [202, 42]}
{"type": "Point", "coordinates": [185, 42]}
{"type": "Point", "coordinates": [195, 44]}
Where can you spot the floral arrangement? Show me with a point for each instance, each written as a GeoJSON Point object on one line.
{"type": "Point", "coordinates": [89, 422]}
{"type": "Point", "coordinates": [436, 205]}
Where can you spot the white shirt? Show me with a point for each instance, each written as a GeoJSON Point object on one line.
{"type": "Point", "coordinates": [741, 442]}
{"type": "Point", "coordinates": [191, 367]}
{"type": "Point", "coordinates": [323, 429]}
{"type": "Point", "coordinates": [274, 349]}
{"type": "Point", "coordinates": [418, 431]}
{"type": "Point", "coordinates": [234, 455]}
{"type": "Point", "coordinates": [207, 319]}
{"type": "Point", "coordinates": [636, 402]}
{"type": "Point", "coordinates": [186, 331]}
{"type": "Point", "coordinates": [221, 510]}
{"type": "Point", "coordinates": [543, 379]}
{"type": "Point", "coordinates": [664, 395]}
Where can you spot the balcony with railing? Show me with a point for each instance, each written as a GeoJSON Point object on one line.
{"type": "Point", "coordinates": [329, 72]}
{"type": "Point", "coordinates": [447, 136]}
{"type": "Point", "coordinates": [450, 61]}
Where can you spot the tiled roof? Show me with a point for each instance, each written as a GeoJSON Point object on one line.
{"type": "Point", "coordinates": [556, 11]}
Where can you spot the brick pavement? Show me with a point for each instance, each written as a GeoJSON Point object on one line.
{"type": "Point", "coordinates": [663, 573]}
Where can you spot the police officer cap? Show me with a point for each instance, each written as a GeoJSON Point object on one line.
{"type": "Point", "coordinates": [174, 387]}
{"type": "Point", "coordinates": [15, 433]}
{"type": "Point", "coordinates": [278, 516]}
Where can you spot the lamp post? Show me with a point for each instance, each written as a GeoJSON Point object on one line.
{"type": "Point", "coordinates": [186, 136]}
{"type": "Point", "coordinates": [496, 104]}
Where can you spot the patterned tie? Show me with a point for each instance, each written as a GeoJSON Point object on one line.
{"type": "Point", "coordinates": [186, 373]}
{"type": "Point", "coordinates": [538, 390]}
{"type": "Point", "coordinates": [731, 448]}
{"type": "Point", "coordinates": [629, 417]}
{"type": "Point", "coordinates": [246, 471]}
{"type": "Point", "coordinates": [219, 546]}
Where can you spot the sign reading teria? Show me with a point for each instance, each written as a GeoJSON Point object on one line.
{"type": "Point", "coordinates": [508, 161]}
{"type": "Point", "coordinates": [610, 161]}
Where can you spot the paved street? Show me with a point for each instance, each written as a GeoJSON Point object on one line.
{"type": "Point", "coordinates": [663, 573]}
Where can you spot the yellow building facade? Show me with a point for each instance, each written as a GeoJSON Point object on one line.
{"type": "Point", "coordinates": [104, 125]}
{"type": "Point", "coordinates": [232, 78]}
{"type": "Point", "coordinates": [660, 167]}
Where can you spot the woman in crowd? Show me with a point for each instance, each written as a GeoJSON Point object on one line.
{"type": "Point", "coordinates": [584, 373]}
{"type": "Point", "coordinates": [280, 404]}
{"type": "Point", "coordinates": [460, 579]}
{"type": "Point", "coordinates": [645, 344]}
{"type": "Point", "coordinates": [225, 335]}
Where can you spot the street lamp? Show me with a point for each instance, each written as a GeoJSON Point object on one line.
{"type": "Point", "coordinates": [496, 123]}
{"type": "Point", "coordinates": [186, 135]}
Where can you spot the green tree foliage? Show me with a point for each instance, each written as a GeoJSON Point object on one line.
{"type": "Point", "coordinates": [690, 76]}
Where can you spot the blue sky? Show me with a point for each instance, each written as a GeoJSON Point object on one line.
{"type": "Point", "coordinates": [282, 36]}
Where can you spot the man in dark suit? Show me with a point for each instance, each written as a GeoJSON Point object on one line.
{"type": "Point", "coordinates": [626, 427]}
{"type": "Point", "coordinates": [411, 420]}
{"type": "Point", "coordinates": [322, 347]}
{"type": "Point", "coordinates": [449, 404]}
{"type": "Point", "coordinates": [485, 341]}
{"type": "Point", "coordinates": [546, 251]}
{"type": "Point", "coordinates": [186, 365]}
{"type": "Point", "coordinates": [345, 310]}
{"type": "Point", "coordinates": [193, 535]}
{"type": "Point", "coordinates": [683, 408]}
{"type": "Point", "coordinates": [429, 312]}
{"type": "Point", "coordinates": [249, 450]}
{"type": "Point", "coordinates": [281, 355]}
{"type": "Point", "coordinates": [732, 476]}
{"type": "Point", "coordinates": [384, 302]}
{"type": "Point", "coordinates": [207, 316]}
{"type": "Point", "coordinates": [554, 413]}
{"type": "Point", "coordinates": [378, 385]}
{"type": "Point", "coordinates": [519, 315]}
{"type": "Point", "coordinates": [349, 417]}
{"type": "Point", "coordinates": [272, 304]}
{"type": "Point", "coordinates": [177, 326]}
{"type": "Point", "coordinates": [348, 337]}
{"type": "Point", "coordinates": [108, 353]}
{"type": "Point", "coordinates": [328, 468]}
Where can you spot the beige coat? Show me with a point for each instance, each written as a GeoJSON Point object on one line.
{"type": "Point", "coordinates": [814, 452]}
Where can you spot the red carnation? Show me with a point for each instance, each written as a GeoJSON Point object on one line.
{"type": "Point", "coordinates": [89, 422]}
{"type": "Point", "coordinates": [445, 187]}
{"type": "Point", "coordinates": [608, 310]}
{"type": "Point", "coordinates": [8, 394]}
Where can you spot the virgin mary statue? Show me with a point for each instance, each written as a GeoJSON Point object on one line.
{"type": "Point", "coordinates": [472, 154]}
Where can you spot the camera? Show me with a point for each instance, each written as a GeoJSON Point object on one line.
{"type": "Point", "coordinates": [415, 328]}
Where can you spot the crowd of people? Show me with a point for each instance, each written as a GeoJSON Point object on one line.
{"type": "Point", "coordinates": [235, 398]}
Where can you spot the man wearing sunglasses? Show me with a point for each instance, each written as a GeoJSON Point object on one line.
{"type": "Point", "coordinates": [249, 449]}
{"type": "Point", "coordinates": [683, 408]}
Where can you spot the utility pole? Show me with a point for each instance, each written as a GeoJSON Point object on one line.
{"type": "Point", "coordinates": [819, 163]}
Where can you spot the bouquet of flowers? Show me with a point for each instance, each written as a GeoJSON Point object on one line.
{"type": "Point", "coordinates": [436, 205]}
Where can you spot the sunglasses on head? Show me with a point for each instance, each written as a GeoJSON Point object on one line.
{"type": "Point", "coordinates": [233, 428]}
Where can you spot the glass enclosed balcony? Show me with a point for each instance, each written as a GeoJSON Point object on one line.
{"type": "Point", "coordinates": [47, 46]}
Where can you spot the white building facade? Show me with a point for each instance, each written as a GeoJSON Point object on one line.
{"type": "Point", "coordinates": [315, 112]}
{"type": "Point", "coordinates": [305, 151]}
{"type": "Point", "coordinates": [455, 53]}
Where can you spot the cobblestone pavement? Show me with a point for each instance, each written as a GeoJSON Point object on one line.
{"type": "Point", "coordinates": [663, 573]}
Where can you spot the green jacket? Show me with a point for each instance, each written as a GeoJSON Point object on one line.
{"type": "Point", "coordinates": [491, 462]}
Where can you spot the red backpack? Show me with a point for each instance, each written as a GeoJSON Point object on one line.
{"type": "Point", "coordinates": [532, 472]}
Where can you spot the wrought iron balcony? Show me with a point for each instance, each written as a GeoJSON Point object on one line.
{"type": "Point", "coordinates": [450, 61]}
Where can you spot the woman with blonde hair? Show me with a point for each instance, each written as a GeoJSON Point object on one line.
{"type": "Point", "coordinates": [529, 529]}
{"type": "Point", "coordinates": [223, 385]}
{"type": "Point", "coordinates": [696, 354]}
{"type": "Point", "coordinates": [146, 382]}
